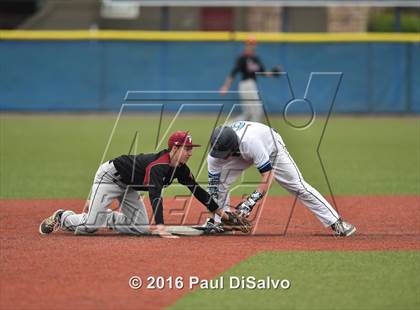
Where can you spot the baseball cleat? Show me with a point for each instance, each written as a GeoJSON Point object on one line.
{"type": "Point", "coordinates": [51, 223]}
{"type": "Point", "coordinates": [210, 227]}
{"type": "Point", "coordinates": [343, 229]}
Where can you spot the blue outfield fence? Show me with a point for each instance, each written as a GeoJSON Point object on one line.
{"type": "Point", "coordinates": [95, 75]}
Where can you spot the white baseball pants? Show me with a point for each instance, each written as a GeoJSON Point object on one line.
{"type": "Point", "coordinates": [287, 174]}
{"type": "Point", "coordinates": [251, 105]}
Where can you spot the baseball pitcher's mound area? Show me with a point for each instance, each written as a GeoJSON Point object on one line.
{"type": "Point", "coordinates": [85, 272]}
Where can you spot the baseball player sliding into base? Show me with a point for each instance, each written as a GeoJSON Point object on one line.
{"type": "Point", "coordinates": [122, 177]}
{"type": "Point", "coordinates": [243, 144]}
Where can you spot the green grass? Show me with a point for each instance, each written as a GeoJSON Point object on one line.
{"type": "Point", "coordinates": [56, 156]}
{"type": "Point", "coordinates": [386, 22]}
{"type": "Point", "coordinates": [320, 280]}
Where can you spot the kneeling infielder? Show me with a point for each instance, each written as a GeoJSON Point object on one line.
{"type": "Point", "coordinates": [242, 144]}
{"type": "Point", "coordinates": [122, 177]}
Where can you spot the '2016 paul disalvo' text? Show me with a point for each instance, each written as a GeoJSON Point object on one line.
{"type": "Point", "coordinates": [194, 282]}
{"type": "Point", "coordinates": [239, 282]}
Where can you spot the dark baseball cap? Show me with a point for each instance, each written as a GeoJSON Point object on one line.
{"type": "Point", "coordinates": [180, 138]}
{"type": "Point", "coordinates": [224, 142]}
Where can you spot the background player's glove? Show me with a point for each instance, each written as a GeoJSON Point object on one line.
{"type": "Point", "coordinates": [245, 207]}
{"type": "Point", "coordinates": [276, 71]}
{"type": "Point", "coordinates": [237, 222]}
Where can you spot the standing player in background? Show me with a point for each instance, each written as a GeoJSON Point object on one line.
{"type": "Point", "coordinates": [122, 177]}
{"type": "Point", "coordinates": [248, 64]}
{"type": "Point", "coordinates": [237, 147]}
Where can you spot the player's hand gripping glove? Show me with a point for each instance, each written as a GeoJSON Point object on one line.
{"type": "Point", "coordinates": [244, 208]}
{"type": "Point", "coordinates": [237, 222]}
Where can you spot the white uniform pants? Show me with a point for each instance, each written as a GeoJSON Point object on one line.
{"type": "Point", "coordinates": [107, 187]}
{"type": "Point", "coordinates": [287, 174]}
{"type": "Point", "coordinates": [251, 105]}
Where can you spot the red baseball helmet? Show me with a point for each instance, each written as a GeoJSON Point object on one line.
{"type": "Point", "coordinates": [179, 138]}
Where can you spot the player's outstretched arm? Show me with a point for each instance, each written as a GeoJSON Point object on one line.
{"type": "Point", "coordinates": [225, 87]}
{"type": "Point", "coordinates": [275, 72]}
{"type": "Point", "coordinates": [229, 79]}
{"type": "Point", "coordinates": [265, 183]}
{"type": "Point", "coordinates": [160, 230]}
{"type": "Point", "coordinates": [245, 207]}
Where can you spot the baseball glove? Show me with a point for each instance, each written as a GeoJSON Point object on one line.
{"type": "Point", "coordinates": [235, 221]}
{"type": "Point", "coordinates": [276, 71]}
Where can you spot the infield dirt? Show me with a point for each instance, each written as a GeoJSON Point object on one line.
{"type": "Point", "coordinates": [93, 271]}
